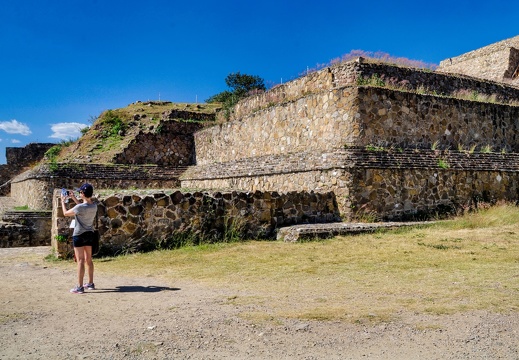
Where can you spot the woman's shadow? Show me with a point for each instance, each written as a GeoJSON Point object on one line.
{"type": "Point", "coordinates": [131, 289]}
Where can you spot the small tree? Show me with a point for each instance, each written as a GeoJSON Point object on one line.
{"type": "Point", "coordinates": [240, 86]}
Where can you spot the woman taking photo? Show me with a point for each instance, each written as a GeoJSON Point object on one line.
{"type": "Point", "coordinates": [83, 236]}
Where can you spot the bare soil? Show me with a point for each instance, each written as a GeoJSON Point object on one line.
{"type": "Point", "coordinates": [145, 318]}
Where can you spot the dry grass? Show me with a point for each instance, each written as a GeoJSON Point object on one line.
{"type": "Point", "coordinates": [465, 264]}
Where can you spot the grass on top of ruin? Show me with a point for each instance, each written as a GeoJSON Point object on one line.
{"type": "Point", "coordinates": [466, 264]}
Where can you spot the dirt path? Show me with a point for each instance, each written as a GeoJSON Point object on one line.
{"type": "Point", "coordinates": [144, 318]}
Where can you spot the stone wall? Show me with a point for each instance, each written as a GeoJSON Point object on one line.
{"type": "Point", "coordinates": [28, 155]}
{"type": "Point", "coordinates": [361, 116]}
{"type": "Point", "coordinates": [389, 184]}
{"type": "Point", "coordinates": [318, 122]}
{"type": "Point", "coordinates": [38, 224]}
{"type": "Point", "coordinates": [496, 62]}
{"type": "Point", "coordinates": [170, 144]}
{"type": "Point", "coordinates": [348, 73]}
{"type": "Point", "coordinates": [136, 221]}
{"type": "Point", "coordinates": [19, 158]}
{"type": "Point", "coordinates": [304, 171]}
{"type": "Point", "coordinates": [14, 235]}
{"type": "Point", "coordinates": [407, 120]}
{"type": "Point", "coordinates": [5, 179]}
{"type": "Point", "coordinates": [398, 185]}
{"type": "Point", "coordinates": [513, 70]}
{"type": "Point", "coordinates": [34, 188]}
{"type": "Point", "coordinates": [434, 82]}
{"type": "Point", "coordinates": [299, 135]}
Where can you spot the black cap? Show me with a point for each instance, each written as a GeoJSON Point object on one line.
{"type": "Point", "coordinates": [87, 189]}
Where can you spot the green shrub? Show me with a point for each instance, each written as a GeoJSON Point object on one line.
{"type": "Point", "coordinates": [53, 152]}
{"type": "Point", "coordinates": [61, 238]}
{"type": "Point", "coordinates": [113, 124]}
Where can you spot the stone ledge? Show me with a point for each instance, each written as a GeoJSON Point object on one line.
{"type": "Point", "coordinates": [345, 74]}
{"type": "Point", "coordinates": [101, 171]}
{"type": "Point", "coordinates": [14, 215]}
{"type": "Point", "coordinates": [321, 231]}
{"type": "Point", "coordinates": [352, 158]}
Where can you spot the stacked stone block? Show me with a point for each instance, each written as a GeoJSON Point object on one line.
{"type": "Point", "coordinates": [17, 160]}
{"type": "Point", "coordinates": [135, 221]}
{"type": "Point", "coordinates": [302, 140]}
{"type": "Point", "coordinates": [25, 228]}
{"type": "Point", "coordinates": [170, 144]}
{"type": "Point", "coordinates": [497, 62]}
{"type": "Point", "coordinates": [34, 188]}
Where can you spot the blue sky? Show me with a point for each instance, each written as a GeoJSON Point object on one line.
{"type": "Point", "coordinates": [63, 62]}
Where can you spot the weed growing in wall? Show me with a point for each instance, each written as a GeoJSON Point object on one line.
{"type": "Point", "coordinates": [233, 229]}
{"type": "Point", "coordinates": [443, 164]}
{"type": "Point", "coordinates": [178, 240]}
{"type": "Point", "coordinates": [159, 129]}
{"type": "Point", "coordinates": [53, 152]}
{"type": "Point", "coordinates": [371, 147]}
{"type": "Point", "coordinates": [373, 80]}
{"type": "Point", "coordinates": [384, 147]}
{"type": "Point", "coordinates": [487, 149]}
{"type": "Point", "coordinates": [61, 238]}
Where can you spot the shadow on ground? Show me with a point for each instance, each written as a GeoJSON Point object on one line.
{"type": "Point", "coordinates": [132, 289]}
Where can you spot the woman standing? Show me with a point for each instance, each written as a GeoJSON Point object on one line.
{"type": "Point", "coordinates": [83, 235]}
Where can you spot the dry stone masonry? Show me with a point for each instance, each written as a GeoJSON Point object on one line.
{"type": "Point", "coordinates": [19, 159]}
{"type": "Point", "coordinates": [170, 144]}
{"type": "Point", "coordinates": [499, 62]}
{"type": "Point", "coordinates": [136, 221]}
{"type": "Point", "coordinates": [429, 150]}
{"type": "Point", "coordinates": [34, 188]}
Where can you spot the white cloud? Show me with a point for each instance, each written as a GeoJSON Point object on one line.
{"type": "Point", "coordinates": [15, 127]}
{"type": "Point", "coordinates": [15, 141]}
{"type": "Point", "coordinates": [67, 130]}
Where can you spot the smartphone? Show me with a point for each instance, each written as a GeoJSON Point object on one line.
{"type": "Point", "coordinates": [64, 192]}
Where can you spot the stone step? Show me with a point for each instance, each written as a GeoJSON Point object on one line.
{"type": "Point", "coordinates": [297, 233]}
{"type": "Point", "coordinates": [13, 215]}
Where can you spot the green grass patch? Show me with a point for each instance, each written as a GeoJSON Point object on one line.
{"type": "Point", "coordinates": [21, 208]}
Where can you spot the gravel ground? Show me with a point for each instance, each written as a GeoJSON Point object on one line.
{"type": "Point", "coordinates": [145, 318]}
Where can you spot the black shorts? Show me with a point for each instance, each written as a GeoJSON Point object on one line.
{"type": "Point", "coordinates": [84, 239]}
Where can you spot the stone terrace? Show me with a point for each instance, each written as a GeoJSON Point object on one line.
{"type": "Point", "coordinates": [498, 61]}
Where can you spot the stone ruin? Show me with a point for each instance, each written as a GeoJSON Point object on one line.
{"type": "Point", "coordinates": [497, 62]}
{"type": "Point", "coordinates": [19, 160]}
{"type": "Point", "coordinates": [359, 140]}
